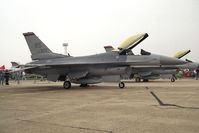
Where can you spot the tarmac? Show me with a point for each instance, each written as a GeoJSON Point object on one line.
{"type": "Point", "coordinates": [158, 106]}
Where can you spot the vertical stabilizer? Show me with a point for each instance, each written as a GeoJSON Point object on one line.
{"type": "Point", "coordinates": [35, 45]}
{"type": "Point", "coordinates": [38, 49]}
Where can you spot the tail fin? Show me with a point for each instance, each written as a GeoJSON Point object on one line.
{"type": "Point", "coordinates": [38, 49]}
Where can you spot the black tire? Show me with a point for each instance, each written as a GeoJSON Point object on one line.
{"type": "Point", "coordinates": [121, 85]}
{"type": "Point", "coordinates": [172, 79]}
{"type": "Point", "coordinates": [145, 80]}
{"type": "Point", "coordinates": [83, 85]}
{"type": "Point", "coordinates": [67, 85]}
{"type": "Point", "coordinates": [137, 79]}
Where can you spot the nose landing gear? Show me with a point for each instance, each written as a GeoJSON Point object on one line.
{"type": "Point", "coordinates": [121, 85]}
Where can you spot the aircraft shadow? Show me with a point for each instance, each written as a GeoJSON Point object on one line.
{"type": "Point", "coordinates": [48, 88]}
{"type": "Point", "coordinates": [165, 104]}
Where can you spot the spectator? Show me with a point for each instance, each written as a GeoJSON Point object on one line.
{"type": "Point", "coordinates": [197, 74]}
{"type": "Point", "coordinates": [23, 76]}
{"type": "Point", "coordinates": [7, 76]}
{"type": "Point", "coordinates": [1, 77]}
{"type": "Point", "coordinates": [42, 78]}
{"type": "Point", "coordinates": [18, 75]}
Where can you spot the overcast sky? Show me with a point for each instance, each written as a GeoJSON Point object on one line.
{"type": "Point", "coordinates": [89, 25]}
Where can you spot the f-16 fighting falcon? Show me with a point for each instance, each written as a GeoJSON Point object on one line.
{"type": "Point", "coordinates": [84, 70]}
{"type": "Point", "coordinates": [147, 73]}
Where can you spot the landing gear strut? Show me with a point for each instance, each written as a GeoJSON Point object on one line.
{"type": "Point", "coordinates": [67, 85]}
{"type": "Point", "coordinates": [121, 84]}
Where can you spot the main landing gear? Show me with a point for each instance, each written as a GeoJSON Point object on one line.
{"type": "Point", "coordinates": [83, 85]}
{"type": "Point", "coordinates": [67, 85]}
{"type": "Point", "coordinates": [172, 79]}
{"type": "Point", "coordinates": [121, 84]}
{"type": "Point", "coordinates": [145, 80]}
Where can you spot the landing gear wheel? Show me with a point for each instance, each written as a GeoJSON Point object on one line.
{"type": "Point", "coordinates": [172, 79]}
{"type": "Point", "coordinates": [83, 85]}
{"type": "Point", "coordinates": [137, 79]}
{"type": "Point", "coordinates": [67, 85]}
{"type": "Point", "coordinates": [121, 85]}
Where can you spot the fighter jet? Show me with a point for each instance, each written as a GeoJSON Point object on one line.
{"type": "Point", "coordinates": [147, 72]}
{"type": "Point", "coordinates": [91, 69]}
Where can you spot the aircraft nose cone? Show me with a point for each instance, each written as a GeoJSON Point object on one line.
{"type": "Point", "coordinates": [170, 61]}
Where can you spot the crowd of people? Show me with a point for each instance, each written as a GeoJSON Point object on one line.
{"type": "Point", "coordinates": [190, 73]}
{"type": "Point", "coordinates": [5, 75]}
{"type": "Point", "coordinates": [16, 76]}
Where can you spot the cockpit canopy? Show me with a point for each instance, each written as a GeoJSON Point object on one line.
{"type": "Point", "coordinates": [181, 54]}
{"type": "Point", "coordinates": [130, 43]}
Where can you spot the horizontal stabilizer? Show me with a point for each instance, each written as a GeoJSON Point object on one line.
{"type": "Point", "coordinates": [15, 64]}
